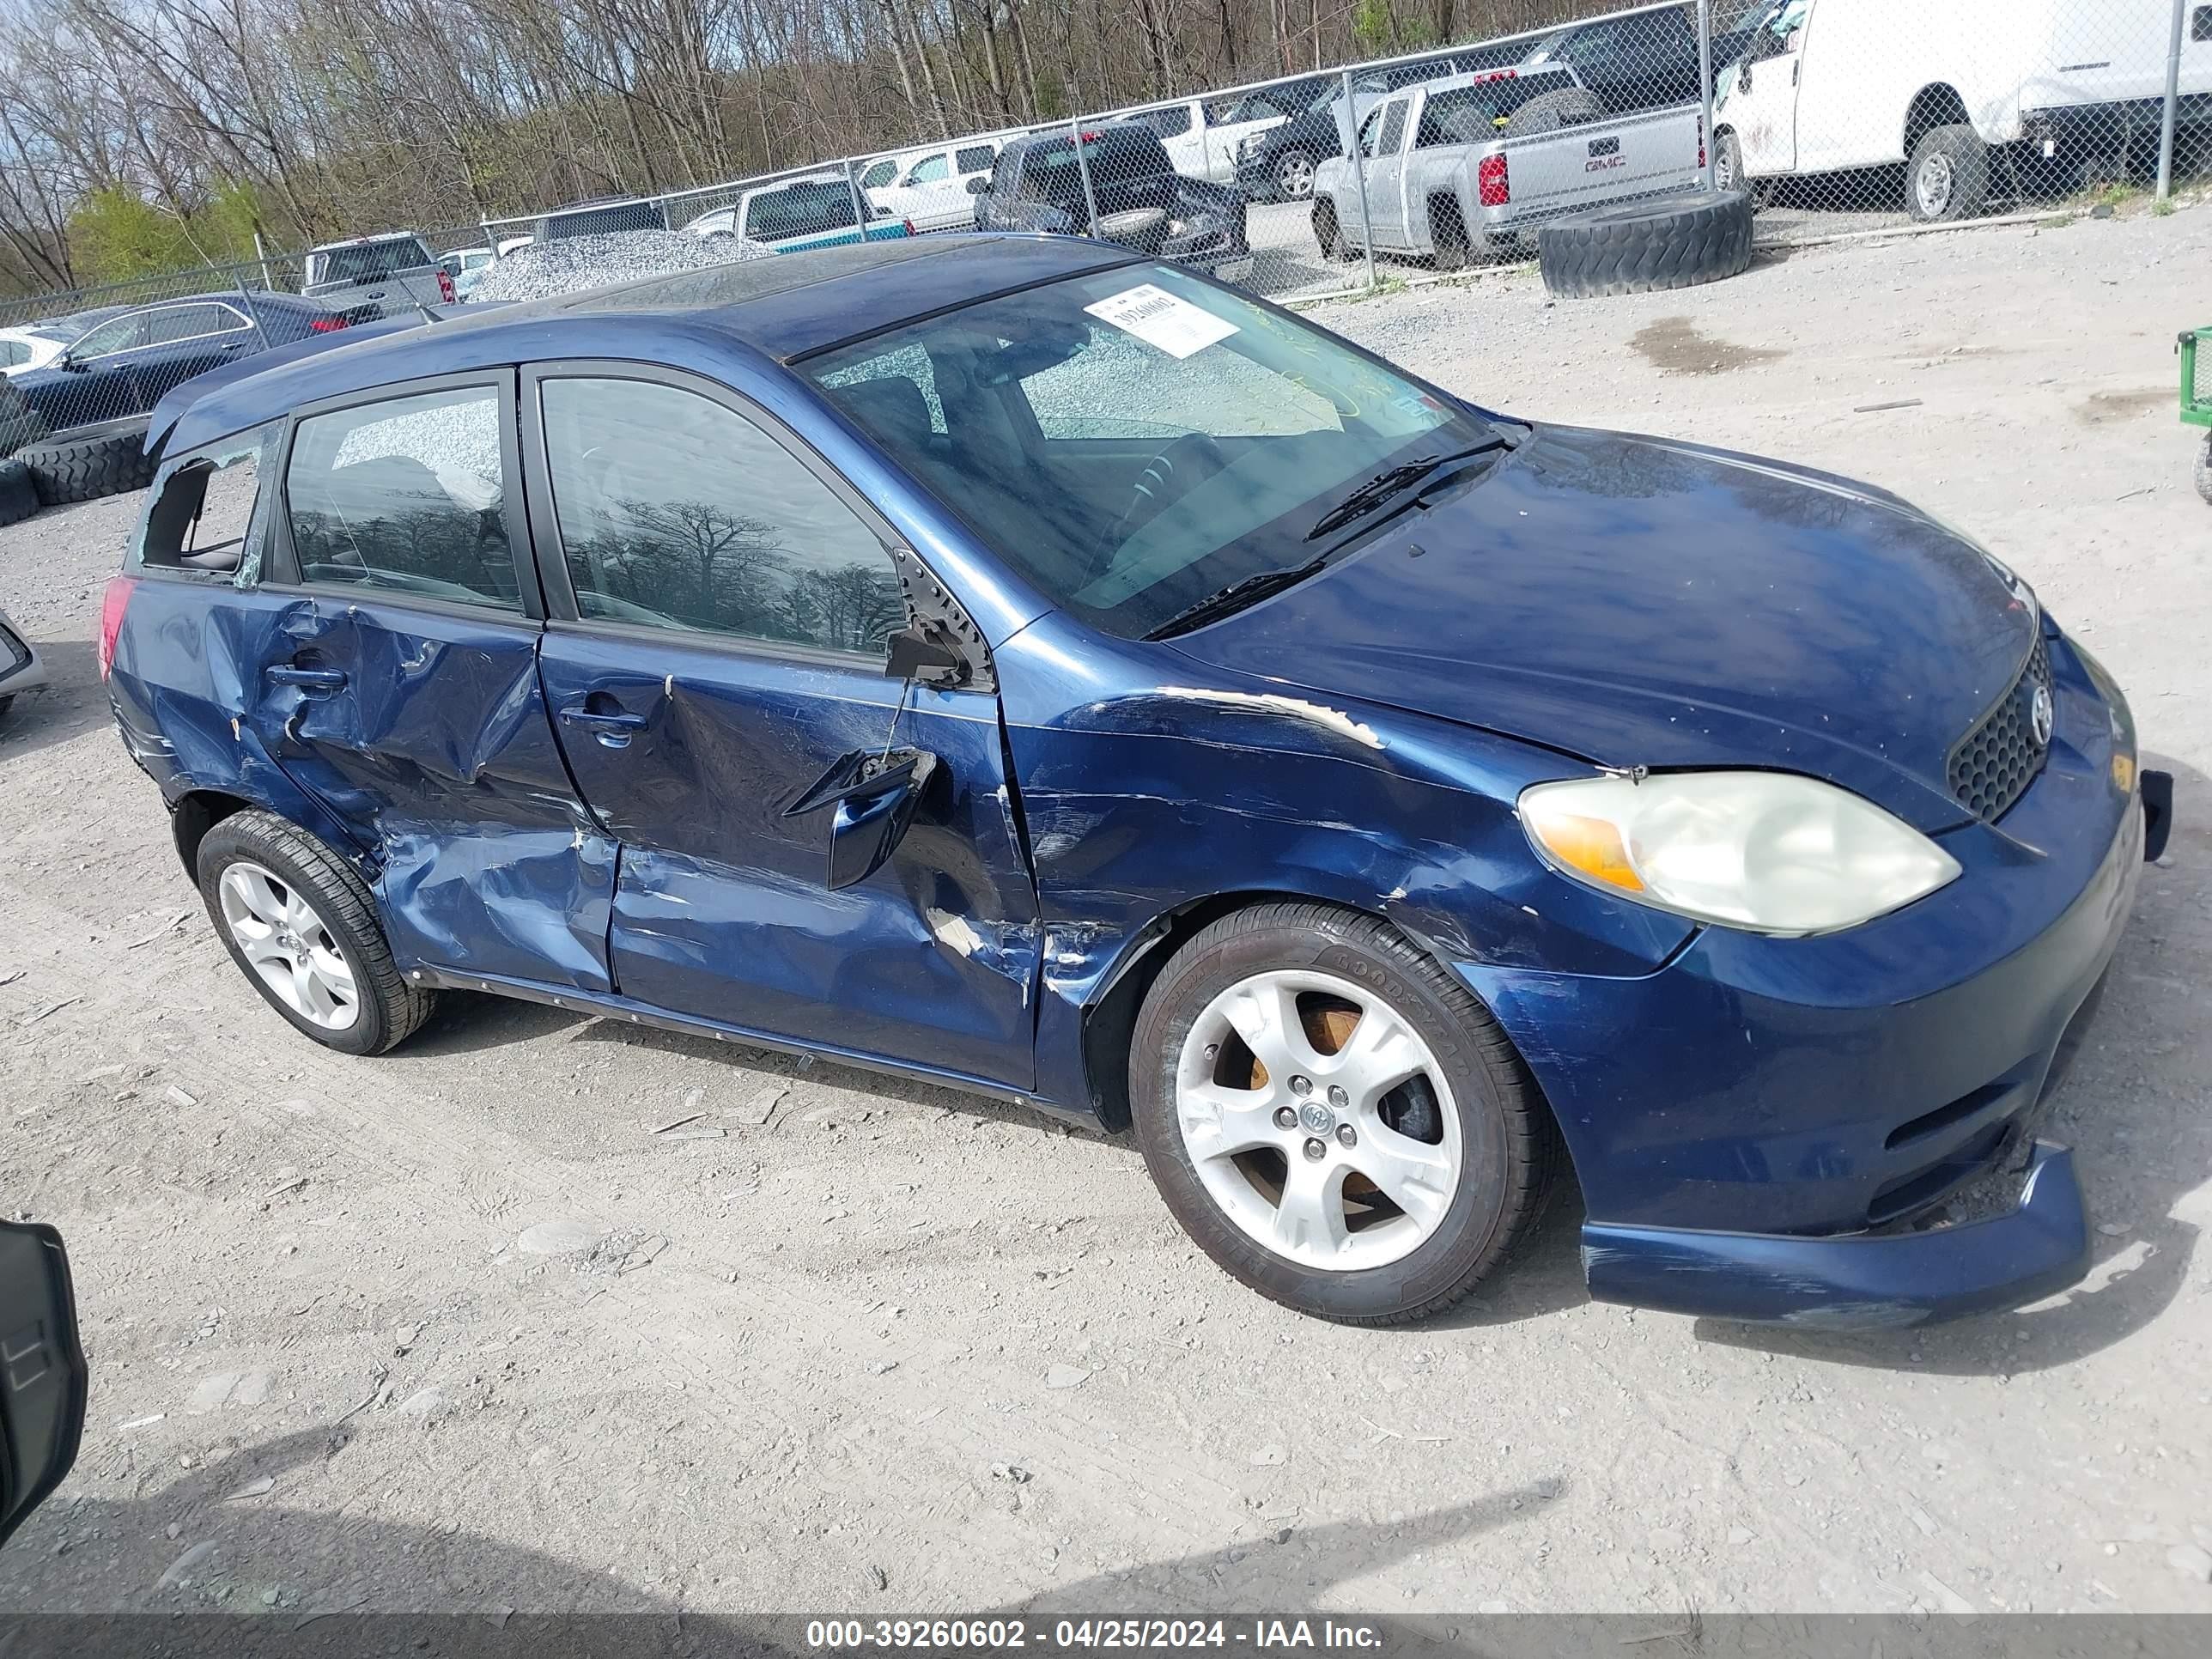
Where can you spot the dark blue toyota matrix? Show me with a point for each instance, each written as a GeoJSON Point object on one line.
{"type": "Point", "coordinates": [1007, 661]}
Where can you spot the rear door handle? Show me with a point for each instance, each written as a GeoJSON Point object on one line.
{"type": "Point", "coordinates": [613, 728]}
{"type": "Point", "coordinates": [311, 679]}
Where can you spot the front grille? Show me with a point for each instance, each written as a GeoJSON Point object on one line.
{"type": "Point", "coordinates": [1999, 758]}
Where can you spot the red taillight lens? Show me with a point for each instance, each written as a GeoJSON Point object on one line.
{"type": "Point", "coordinates": [1701, 143]}
{"type": "Point", "coordinates": [112, 604]}
{"type": "Point", "coordinates": [1492, 188]}
{"type": "Point", "coordinates": [326, 324]}
{"type": "Point", "coordinates": [1089, 137]}
{"type": "Point", "coordinates": [910, 230]}
{"type": "Point", "coordinates": [445, 285]}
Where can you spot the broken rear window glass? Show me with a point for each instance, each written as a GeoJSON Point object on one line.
{"type": "Point", "coordinates": [202, 516]}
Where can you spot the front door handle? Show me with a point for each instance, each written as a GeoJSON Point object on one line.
{"type": "Point", "coordinates": [308, 679]}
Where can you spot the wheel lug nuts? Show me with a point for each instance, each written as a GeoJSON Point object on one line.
{"type": "Point", "coordinates": [1315, 1151]}
{"type": "Point", "coordinates": [1337, 1098]}
{"type": "Point", "coordinates": [1301, 1086]}
{"type": "Point", "coordinates": [1346, 1135]}
{"type": "Point", "coordinates": [1285, 1118]}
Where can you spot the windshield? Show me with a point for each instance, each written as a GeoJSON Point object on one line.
{"type": "Point", "coordinates": [370, 261]}
{"type": "Point", "coordinates": [1135, 440]}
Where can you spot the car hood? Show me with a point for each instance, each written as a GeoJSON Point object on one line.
{"type": "Point", "coordinates": [1640, 602]}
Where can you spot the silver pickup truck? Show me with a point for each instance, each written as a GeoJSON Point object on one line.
{"type": "Point", "coordinates": [373, 276]}
{"type": "Point", "coordinates": [1456, 167]}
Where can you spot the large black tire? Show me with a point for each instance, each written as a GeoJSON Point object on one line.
{"type": "Point", "coordinates": [1948, 175]}
{"type": "Point", "coordinates": [388, 1008]}
{"type": "Point", "coordinates": [84, 467]}
{"type": "Point", "coordinates": [1644, 247]}
{"type": "Point", "coordinates": [19, 496]}
{"type": "Point", "coordinates": [1326, 231]}
{"type": "Point", "coordinates": [1509, 1146]}
{"type": "Point", "coordinates": [25, 426]}
{"type": "Point", "coordinates": [2204, 469]}
{"type": "Point", "coordinates": [1569, 106]}
{"type": "Point", "coordinates": [1448, 234]}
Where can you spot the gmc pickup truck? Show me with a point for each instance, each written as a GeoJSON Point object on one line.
{"type": "Point", "coordinates": [1456, 167]}
{"type": "Point", "coordinates": [373, 277]}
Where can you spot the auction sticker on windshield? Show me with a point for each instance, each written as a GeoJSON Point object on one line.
{"type": "Point", "coordinates": [1160, 319]}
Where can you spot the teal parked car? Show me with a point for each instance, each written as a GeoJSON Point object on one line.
{"type": "Point", "coordinates": [819, 210]}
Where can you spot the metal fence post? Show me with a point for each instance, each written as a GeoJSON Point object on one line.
{"type": "Point", "coordinates": [490, 240]}
{"type": "Point", "coordinates": [860, 205]}
{"type": "Point", "coordinates": [1083, 166]}
{"type": "Point", "coordinates": [1708, 142]}
{"type": "Point", "coordinates": [262, 254]}
{"type": "Point", "coordinates": [252, 311]}
{"type": "Point", "coordinates": [1359, 183]}
{"type": "Point", "coordinates": [2173, 103]}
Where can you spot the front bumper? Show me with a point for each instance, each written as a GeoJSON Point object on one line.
{"type": "Point", "coordinates": [1755, 1124]}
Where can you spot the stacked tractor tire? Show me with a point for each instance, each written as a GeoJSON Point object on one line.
{"type": "Point", "coordinates": [82, 464]}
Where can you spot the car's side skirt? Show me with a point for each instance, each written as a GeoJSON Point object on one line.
{"type": "Point", "coordinates": [609, 1006]}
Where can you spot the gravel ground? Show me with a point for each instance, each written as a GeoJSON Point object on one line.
{"type": "Point", "coordinates": [458, 1327]}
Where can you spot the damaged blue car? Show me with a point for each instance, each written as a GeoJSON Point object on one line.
{"type": "Point", "coordinates": [1011, 662]}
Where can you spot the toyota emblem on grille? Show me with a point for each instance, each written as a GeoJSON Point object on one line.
{"type": "Point", "coordinates": [2041, 715]}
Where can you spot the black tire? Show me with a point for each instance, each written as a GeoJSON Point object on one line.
{"type": "Point", "coordinates": [1948, 176]}
{"type": "Point", "coordinates": [1326, 232]}
{"type": "Point", "coordinates": [1293, 176]}
{"type": "Point", "coordinates": [1508, 1145]}
{"type": "Point", "coordinates": [19, 495]}
{"type": "Point", "coordinates": [1448, 233]}
{"type": "Point", "coordinates": [1569, 106]}
{"type": "Point", "coordinates": [2204, 470]}
{"type": "Point", "coordinates": [7, 704]}
{"type": "Point", "coordinates": [1728, 164]}
{"type": "Point", "coordinates": [83, 467]}
{"type": "Point", "coordinates": [389, 1008]}
{"type": "Point", "coordinates": [26, 426]}
{"type": "Point", "coordinates": [1645, 248]}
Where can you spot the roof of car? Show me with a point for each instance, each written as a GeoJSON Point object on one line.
{"type": "Point", "coordinates": [784, 306]}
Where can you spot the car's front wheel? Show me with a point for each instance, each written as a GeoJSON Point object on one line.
{"type": "Point", "coordinates": [1294, 176]}
{"type": "Point", "coordinates": [1332, 1115]}
{"type": "Point", "coordinates": [300, 925]}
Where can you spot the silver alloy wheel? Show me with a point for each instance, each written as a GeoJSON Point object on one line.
{"type": "Point", "coordinates": [1320, 1112]}
{"type": "Point", "coordinates": [1723, 166]}
{"type": "Point", "coordinates": [1934, 184]}
{"type": "Point", "coordinates": [288, 945]}
{"type": "Point", "coordinates": [1294, 176]}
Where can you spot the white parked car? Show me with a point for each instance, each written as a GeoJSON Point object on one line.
{"type": "Point", "coordinates": [930, 189]}
{"type": "Point", "coordinates": [1827, 85]}
{"type": "Point", "coordinates": [23, 349]}
{"type": "Point", "coordinates": [1204, 136]}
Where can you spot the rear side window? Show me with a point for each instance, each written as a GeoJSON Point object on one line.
{"type": "Point", "coordinates": [14, 352]}
{"type": "Point", "coordinates": [205, 516]}
{"type": "Point", "coordinates": [174, 322]}
{"type": "Point", "coordinates": [676, 511]}
{"type": "Point", "coordinates": [407, 496]}
{"type": "Point", "coordinates": [805, 209]}
{"type": "Point", "coordinates": [975, 159]}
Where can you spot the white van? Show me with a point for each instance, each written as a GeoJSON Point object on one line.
{"type": "Point", "coordinates": [930, 189]}
{"type": "Point", "coordinates": [1955, 89]}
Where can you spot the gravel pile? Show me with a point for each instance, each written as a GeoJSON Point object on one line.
{"type": "Point", "coordinates": [576, 263]}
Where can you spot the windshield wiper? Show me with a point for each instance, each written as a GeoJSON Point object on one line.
{"type": "Point", "coordinates": [1250, 591]}
{"type": "Point", "coordinates": [1392, 481]}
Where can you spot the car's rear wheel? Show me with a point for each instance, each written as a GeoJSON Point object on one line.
{"type": "Point", "coordinates": [1294, 176]}
{"type": "Point", "coordinates": [300, 923]}
{"type": "Point", "coordinates": [1332, 1117]}
{"type": "Point", "coordinates": [1448, 236]}
{"type": "Point", "coordinates": [1327, 233]}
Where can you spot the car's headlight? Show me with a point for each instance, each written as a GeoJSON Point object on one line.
{"type": "Point", "coordinates": [1764, 851]}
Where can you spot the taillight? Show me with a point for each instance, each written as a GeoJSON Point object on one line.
{"type": "Point", "coordinates": [112, 604]}
{"type": "Point", "coordinates": [1701, 143]}
{"type": "Point", "coordinates": [445, 285]}
{"type": "Point", "coordinates": [910, 230]}
{"type": "Point", "coordinates": [325, 324]}
{"type": "Point", "coordinates": [1492, 187]}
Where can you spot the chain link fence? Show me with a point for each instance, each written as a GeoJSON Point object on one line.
{"type": "Point", "coordinates": [1836, 116]}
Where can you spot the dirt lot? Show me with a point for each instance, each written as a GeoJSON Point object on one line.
{"type": "Point", "coordinates": [456, 1328]}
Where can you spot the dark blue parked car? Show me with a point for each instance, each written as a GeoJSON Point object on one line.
{"type": "Point", "coordinates": [1011, 662]}
{"type": "Point", "coordinates": [124, 365]}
